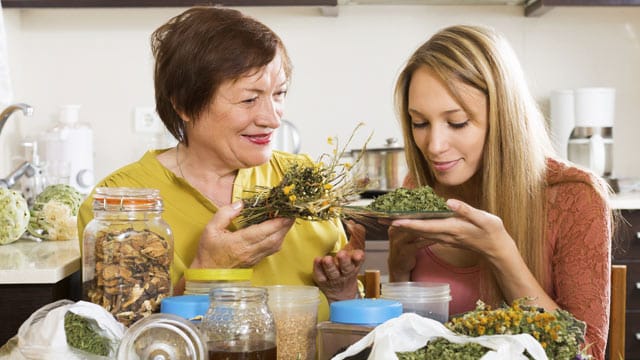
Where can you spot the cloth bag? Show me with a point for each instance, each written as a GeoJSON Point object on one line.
{"type": "Point", "coordinates": [410, 332]}
{"type": "Point", "coordinates": [42, 335]}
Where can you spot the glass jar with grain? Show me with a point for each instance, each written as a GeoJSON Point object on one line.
{"type": "Point", "coordinates": [295, 310]}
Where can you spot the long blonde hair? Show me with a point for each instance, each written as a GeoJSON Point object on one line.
{"type": "Point", "coordinates": [517, 142]}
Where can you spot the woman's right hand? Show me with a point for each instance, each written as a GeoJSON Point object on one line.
{"type": "Point", "coordinates": [402, 253]}
{"type": "Point", "coordinates": [221, 248]}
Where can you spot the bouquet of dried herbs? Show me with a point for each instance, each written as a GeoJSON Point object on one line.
{"type": "Point", "coordinates": [315, 191]}
{"type": "Point", "coordinates": [560, 334]}
{"type": "Point", "coordinates": [421, 199]}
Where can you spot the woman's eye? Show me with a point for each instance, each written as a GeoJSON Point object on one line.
{"type": "Point", "coordinates": [419, 125]}
{"type": "Point", "coordinates": [250, 101]}
{"type": "Point", "coordinates": [281, 93]}
{"type": "Point", "coordinates": [459, 125]}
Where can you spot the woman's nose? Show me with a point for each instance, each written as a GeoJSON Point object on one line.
{"type": "Point", "coordinates": [438, 140]}
{"type": "Point", "coordinates": [270, 114]}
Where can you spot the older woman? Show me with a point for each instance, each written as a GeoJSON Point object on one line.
{"type": "Point", "coordinates": [221, 79]}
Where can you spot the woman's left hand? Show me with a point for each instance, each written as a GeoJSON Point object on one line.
{"type": "Point", "coordinates": [470, 228]}
{"type": "Point", "coordinates": [337, 276]}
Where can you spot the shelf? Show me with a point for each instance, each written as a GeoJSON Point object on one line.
{"type": "Point", "coordinates": [539, 7]}
{"type": "Point", "coordinates": [158, 3]}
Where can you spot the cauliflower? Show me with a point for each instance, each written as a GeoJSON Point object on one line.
{"type": "Point", "coordinates": [54, 213]}
{"type": "Point", "coordinates": [14, 215]}
{"type": "Point", "coordinates": [63, 223]}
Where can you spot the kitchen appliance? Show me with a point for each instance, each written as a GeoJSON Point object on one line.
{"type": "Point", "coordinates": [381, 169]}
{"type": "Point", "coordinates": [68, 151]}
{"type": "Point", "coordinates": [591, 141]}
{"type": "Point", "coordinates": [587, 115]}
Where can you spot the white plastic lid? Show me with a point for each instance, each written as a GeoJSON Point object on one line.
{"type": "Point", "coordinates": [69, 114]}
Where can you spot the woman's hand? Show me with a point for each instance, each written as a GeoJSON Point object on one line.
{"type": "Point", "coordinates": [470, 229]}
{"type": "Point", "coordinates": [402, 253]}
{"type": "Point", "coordinates": [474, 230]}
{"type": "Point", "coordinates": [337, 276]}
{"type": "Point", "coordinates": [221, 248]}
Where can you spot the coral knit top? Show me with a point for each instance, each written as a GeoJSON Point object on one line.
{"type": "Point", "coordinates": [578, 249]}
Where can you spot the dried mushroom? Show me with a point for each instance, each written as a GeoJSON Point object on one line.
{"type": "Point", "coordinates": [131, 273]}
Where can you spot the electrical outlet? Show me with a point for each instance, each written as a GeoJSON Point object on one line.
{"type": "Point", "coordinates": [146, 120]}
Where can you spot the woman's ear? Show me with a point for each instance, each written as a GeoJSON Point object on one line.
{"type": "Point", "coordinates": [180, 113]}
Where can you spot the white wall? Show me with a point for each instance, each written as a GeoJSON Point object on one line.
{"type": "Point", "coordinates": [344, 71]}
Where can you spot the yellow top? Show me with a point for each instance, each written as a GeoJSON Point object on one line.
{"type": "Point", "coordinates": [187, 211]}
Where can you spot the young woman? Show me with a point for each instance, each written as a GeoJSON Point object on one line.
{"type": "Point", "coordinates": [526, 224]}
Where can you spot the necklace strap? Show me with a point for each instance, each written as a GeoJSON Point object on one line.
{"type": "Point", "coordinates": [178, 161]}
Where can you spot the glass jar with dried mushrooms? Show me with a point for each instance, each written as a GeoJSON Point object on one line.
{"type": "Point", "coordinates": [127, 252]}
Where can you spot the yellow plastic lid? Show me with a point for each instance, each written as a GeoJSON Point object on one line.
{"type": "Point", "coordinates": [218, 274]}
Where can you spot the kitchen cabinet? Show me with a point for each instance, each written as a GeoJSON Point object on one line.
{"type": "Point", "coordinates": [627, 252]}
{"type": "Point", "coordinates": [539, 7]}
{"type": "Point", "coordinates": [158, 3]}
{"type": "Point", "coordinates": [33, 274]}
{"type": "Point", "coordinates": [531, 8]}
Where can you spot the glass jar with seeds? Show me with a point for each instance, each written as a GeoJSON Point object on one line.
{"type": "Point", "coordinates": [295, 310]}
{"type": "Point", "coordinates": [127, 253]}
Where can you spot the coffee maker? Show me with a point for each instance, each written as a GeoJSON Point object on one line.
{"type": "Point", "coordinates": [582, 128]}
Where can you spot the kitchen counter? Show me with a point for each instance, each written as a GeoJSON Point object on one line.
{"type": "Point", "coordinates": [38, 262]}
{"type": "Point", "coordinates": [33, 274]}
{"type": "Point", "coordinates": [626, 201]}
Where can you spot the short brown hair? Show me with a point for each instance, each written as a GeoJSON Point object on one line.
{"type": "Point", "coordinates": [198, 50]}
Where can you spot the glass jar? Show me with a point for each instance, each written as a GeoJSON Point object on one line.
{"type": "Point", "coordinates": [126, 253]}
{"type": "Point", "coordinates": [239, 324]}
{"type": "Point", "coordinates": [295, 311]}
{"type": "Point", "coordinates": [201, 281]}
{"type": "Point", "coordinates": [162, 337]}
{"type": "Point", "coordinates": [427, 299]}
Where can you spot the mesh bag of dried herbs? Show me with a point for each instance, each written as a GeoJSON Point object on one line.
{"type": "Point", "coordinates": [70, 330]}
{"type": "Point", "coordinates": [421, 199]}
{"type": "Point", "coordinates": [560, 334]}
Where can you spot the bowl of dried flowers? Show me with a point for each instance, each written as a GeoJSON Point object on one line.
{"type": "Point", "coordinates": [560, 334]}
{"type": "Point", "coordinates": [314, 191]}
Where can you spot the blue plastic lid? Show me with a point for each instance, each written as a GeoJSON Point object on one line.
{"type": "Point", "coordinates": [364, 311]}
{"type": "Point", "coordinates": [186, 306]}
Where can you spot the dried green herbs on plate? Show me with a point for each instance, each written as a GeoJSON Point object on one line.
{"type": "Point", "coordinates": [402, 203]}
{"type": "Point", "coordinates": [422, 199]}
